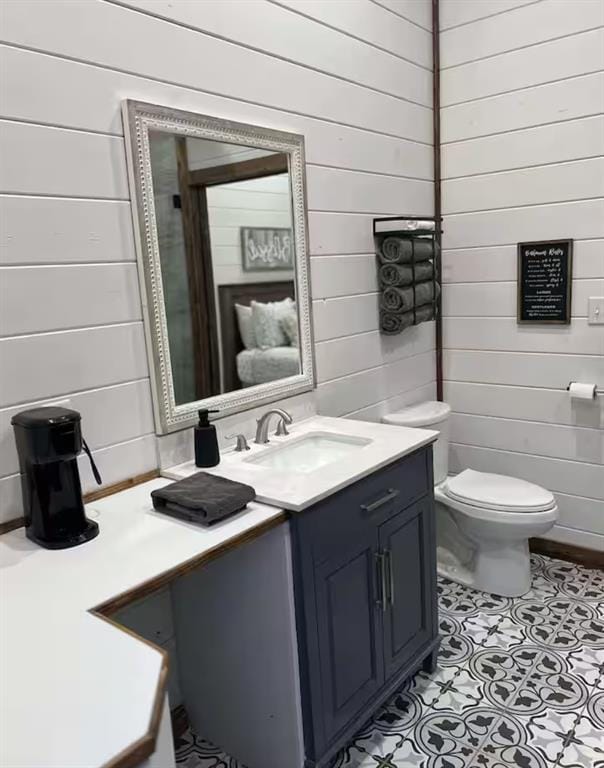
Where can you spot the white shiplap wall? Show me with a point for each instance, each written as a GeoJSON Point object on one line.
{"type": "Point", "coordinates": [354, 77]}
{"type": "Point", "coordinates": [252, 203]}
{"type": "Point", "coordinates": [523, 159]}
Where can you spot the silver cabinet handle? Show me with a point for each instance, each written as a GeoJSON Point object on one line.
{"type": "Point", "coordinates": [380, 568]}
{"type": "Point", "coordinates": [389, 496]}
{"type": "Point", "coordinates": [390, 581]}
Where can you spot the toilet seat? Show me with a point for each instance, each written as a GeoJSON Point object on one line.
{"type": "Point", "coordinates": [498, 493]}
{"type": "Point", "coordinates": [484, 521]}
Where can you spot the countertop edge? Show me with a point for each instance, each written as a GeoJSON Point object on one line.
{"type": "Point", "coordinates": [144, 747]}
{"type": "Point", "coordinates": [113, 604]}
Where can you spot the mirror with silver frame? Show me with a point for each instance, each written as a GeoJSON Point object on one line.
{"type": "Point", "coordinates": [220, 220]}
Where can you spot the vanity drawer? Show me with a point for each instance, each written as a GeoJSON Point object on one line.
{"type": "Point", "coordinates": [369, 502]}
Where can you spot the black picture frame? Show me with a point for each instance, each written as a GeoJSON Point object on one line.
{"type": "Point", "coordinates": [544, 282]}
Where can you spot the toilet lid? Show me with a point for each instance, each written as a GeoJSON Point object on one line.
{"type": "Point", "coordinates": [500, 492]}
{"type": "Point", "coordinates": [419, 415]}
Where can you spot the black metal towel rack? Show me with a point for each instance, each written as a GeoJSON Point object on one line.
{"type": "Point", "coordinates": [407, 227]}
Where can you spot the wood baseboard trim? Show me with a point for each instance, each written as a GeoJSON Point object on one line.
{"type": "Point", "coordinates": [123, 485]}
{"type": "Point", "coordinates": [108, 490]}
{"type": "Point", "coordinates": [589, 558]}
{"type": "Point", "coordinates": [11, 525]}
{"type": "Point", "coordinates": [180, 721]}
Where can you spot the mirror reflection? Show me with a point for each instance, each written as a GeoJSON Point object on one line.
{"type": "Point", "coordinates": [226, 246]}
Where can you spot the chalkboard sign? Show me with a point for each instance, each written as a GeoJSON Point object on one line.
{"type": "Point", "coordinates": [544, 281]}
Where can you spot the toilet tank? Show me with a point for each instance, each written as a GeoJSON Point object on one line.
{"type": "Point", "coordinates": [428, 415]}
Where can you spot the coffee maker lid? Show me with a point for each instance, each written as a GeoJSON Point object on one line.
{"type": "Point", "coordinates": [45, 417]}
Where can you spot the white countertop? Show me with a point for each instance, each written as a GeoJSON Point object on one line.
{"type": "Point", "coordinates": [75, 690]}
{"type": "Point", "coordinates": [297, 491]}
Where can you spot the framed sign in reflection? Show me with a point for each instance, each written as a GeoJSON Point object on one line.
{"type": "Point", "coordinates": [266, 248]}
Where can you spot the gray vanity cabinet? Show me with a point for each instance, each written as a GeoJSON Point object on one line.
{"type": "Point", "coordinates": [349, 633]}
{"type": "Point", "coordinates": [405, 543]}
{"type": "Point", "coordinates": [365, 583]}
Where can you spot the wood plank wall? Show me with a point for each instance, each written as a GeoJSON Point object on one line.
{"type": "Point", "coordinates": [522, 124]}
{"type": "Point", "coordinates": [354, 77]}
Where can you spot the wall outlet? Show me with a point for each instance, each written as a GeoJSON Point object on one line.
{"type": "Point", "coordinates": [595, 310]}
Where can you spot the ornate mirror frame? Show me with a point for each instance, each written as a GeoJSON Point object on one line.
{"type": "Point", "coordinates": [138, 118]}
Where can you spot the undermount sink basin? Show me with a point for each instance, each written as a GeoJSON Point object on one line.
{"type": "Point", "coordinates": [310, 452]}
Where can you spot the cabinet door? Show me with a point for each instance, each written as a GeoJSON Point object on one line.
{"type": "Point", "coordinates": [407, 544]}
{"type": "Point", "coordinates": [349, 632]}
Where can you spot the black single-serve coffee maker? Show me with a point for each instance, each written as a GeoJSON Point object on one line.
{"type": "Point", "coordinates": [48, 443]}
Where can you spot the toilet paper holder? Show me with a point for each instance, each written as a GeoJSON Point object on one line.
{"type": "Point", "coordinates": [596, 390]}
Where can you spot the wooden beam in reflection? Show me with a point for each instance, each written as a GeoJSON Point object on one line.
{"type": "Point", "coordinates": [256, 168]}
{"type": "Point", "coordinates": [200, 279]}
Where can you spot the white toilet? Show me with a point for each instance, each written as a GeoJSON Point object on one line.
{"type": "Point", "coordinates": [484, 521]}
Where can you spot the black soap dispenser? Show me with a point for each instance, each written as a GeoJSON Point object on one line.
{"type": "Point", "coordinates": [206, 442]}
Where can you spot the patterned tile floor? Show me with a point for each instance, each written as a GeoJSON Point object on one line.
{"type": "Point", "coordinates": [520, 683]}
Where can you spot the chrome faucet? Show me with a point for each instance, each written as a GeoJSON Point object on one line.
{"type": "Point", "coordinates": [241, 442]}
{"type": "Point", "coordinates": [281, 428]}
{"type": "Point", "coordinates": [263, 422]}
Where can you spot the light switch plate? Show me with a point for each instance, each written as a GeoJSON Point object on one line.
{"type": "Point", "coordinates": [595, 310]}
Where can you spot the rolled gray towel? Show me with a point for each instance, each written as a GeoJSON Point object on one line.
{"type": "Point", "coordinates": [423, 313]}
{"type": "Point", "coordinates": [401, 299]}
{"type": "Point", "coordinates": [398, 250]}
{"type": "Point", "coordinates": [392, 323]}
{"type": "Point", "coordinates": [396, 274]}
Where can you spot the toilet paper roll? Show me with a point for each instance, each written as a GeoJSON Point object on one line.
{"type": "Point", "coordinates": [580, 391]}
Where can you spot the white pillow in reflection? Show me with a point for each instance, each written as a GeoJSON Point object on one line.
{"type": "Point", "coordinates": [266, 320]}
{"type": "Point", "coordinates": [246, 326]}
{"type": "Point", "coordinates": [289, 323]}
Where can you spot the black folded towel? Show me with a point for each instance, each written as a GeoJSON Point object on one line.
{"type": "Point", "coordinates": [398, 250]}
{"type": "Point", "coordinates": [202, 498]}
{"type": "Point", "coordinates": [397, 274]}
